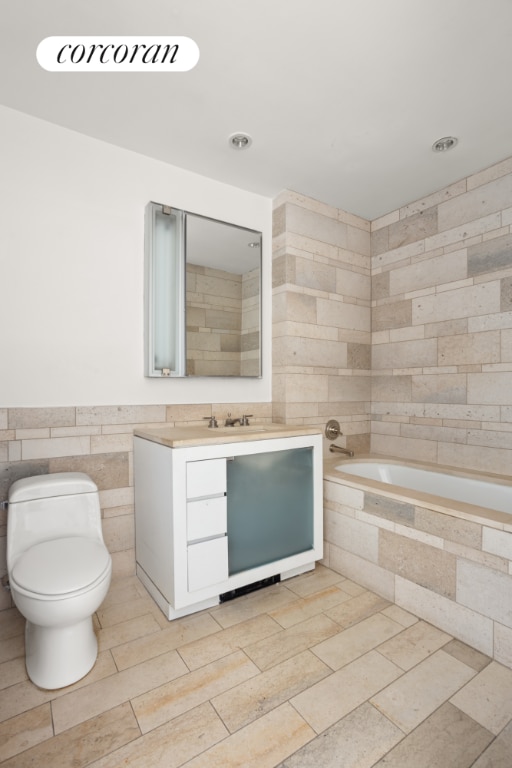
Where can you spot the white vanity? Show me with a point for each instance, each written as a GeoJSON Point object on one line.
{"type": "Point", "coordinates": [219, 510]}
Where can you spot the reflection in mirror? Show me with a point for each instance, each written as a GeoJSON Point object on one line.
{"type": "Point", "coordinates": [203, 277]}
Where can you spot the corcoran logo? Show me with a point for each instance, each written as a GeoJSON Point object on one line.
{"type": "Point", "coordinates": [117, 54]}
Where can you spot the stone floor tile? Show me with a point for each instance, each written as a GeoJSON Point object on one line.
{"type": "Point", "coordinates": [121, 633]}
{"type": "Point", "coordinates": [334, 697]}
{"type": "Point", "coordinates": [446, 739]}
{"type": "Point", "coordinates": [414, 644]}
{"type": "Point", "coordinates": [225, 641]}
{"type": "Point", "coordinates": [289, 642]}
{"type": "Point", "coordinates": [467, 655]}
{"type": "Point", "coordinates": [357, 640]}
{"type": "Point", "coordinates": [262, 744]}
{"type": "Point", "coordinates": [172, 744]}
{"type": "Point", "coordinates": [356, 741]}
{"type": "Point", "coordinates": [175, 634]}
{"type": "Point", "coordinates": [499, 753]}
{"type": "Point", "coordinates": [167, 701]}
{"type": "Point", "coordinates": [417, 693]}
{"type": "Point", "coordinates": [310, 605]}
{"type": "Point", "coordinates": [98, 697]}
{"type": "Point", "coordinates": [12, 672]}
{"type": "Point", "coordinates": [25, 695]}
{"type": "Point", "coordinates": [83, 744]}
{"type": "Point", "coordinates": [249, 700]}
{"type": "Point", "coordinates": [314, 581]}
{"type": "Point", "coordinates": [398, 614]}
{"type": "Point", "coordinates": [357, 609]}
{"type": "Point", "coordinates": [488, 697]}
{"type": "Point", "coordinates": [262, 601]}
{"type": "Point", "coordinates": [24, 731]}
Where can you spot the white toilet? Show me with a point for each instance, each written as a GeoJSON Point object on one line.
{"type": "Point", "coordinates": [59, 572]}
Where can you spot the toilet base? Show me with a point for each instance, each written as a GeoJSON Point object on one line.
{"type": "Point", "coordinates": [59, 656]}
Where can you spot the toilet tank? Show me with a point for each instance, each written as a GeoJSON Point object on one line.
{"type": "Point", "coordinates": [50, 507]}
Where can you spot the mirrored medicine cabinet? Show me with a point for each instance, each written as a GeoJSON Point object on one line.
{"type": "Point", "coordinates": [202, 296]}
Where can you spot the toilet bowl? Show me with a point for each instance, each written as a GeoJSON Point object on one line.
{"type": "Point", "coordinates": [59, 573]}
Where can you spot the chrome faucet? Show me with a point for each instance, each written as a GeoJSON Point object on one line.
{"type": "Point", "coordinates": [231, 422]}
{"type": "Point", "coordinates": [243, 421]}
{"type": "Point", "coordinates": [334, 448]}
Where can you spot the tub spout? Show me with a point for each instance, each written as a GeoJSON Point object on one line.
{"type": "Point", "coordinates": [334, 448]}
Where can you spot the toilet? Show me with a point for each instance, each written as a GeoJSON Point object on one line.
{"type": "Point", "coordinates": [59, 573]}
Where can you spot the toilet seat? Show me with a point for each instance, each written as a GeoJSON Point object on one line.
{"type": "Point", "coordinates": [61, 567]}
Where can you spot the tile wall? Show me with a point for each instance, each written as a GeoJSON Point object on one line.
{"type": "Point", "coordinates": [321, 317]}
{"type": "Point", "coordinates": [442, 326]}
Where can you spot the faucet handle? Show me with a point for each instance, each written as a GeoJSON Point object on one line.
{"type": "Point", "coordinates": [244, 421]}
{"type": "Point", "coordinates": [212, 420]}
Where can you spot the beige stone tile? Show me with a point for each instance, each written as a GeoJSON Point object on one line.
{"type": "Point", "coordinates": [122, 633]}
{"type": "Point", "coordinates": [467, 655]}
{"type": "Point", "coordinates": [439, 388]}
{"type": "Point", "coordinates": [262, 744]}
{"type": "Point", "coordinates": [497, 754]}
{"type": "Point", "coordinates": [173, 635]}
{"type": "Point", "coordinates": [447, 738]}
{"type": "Point", "coordinates": [414, 644]}
{"type": "Point", "coordinates": [357, 640]}
{"type": "Point", "coordinates": [473, 300]}
{"type": "Point", "coordinates": [354, 535]}
{"type": "Point", "coordinates": [25, 731]}
{"type": "Point", "coordinates": [316, 580]}
{"type": "Point", "coordinates": [419, 692]}
{"type": "Point", "coordinates": [289, 642]}
{"type": "Point", "coordinates": [309, 606]}
{"type": "Point", "coordinates": [118, 613]}
{"type": "Point", "coordinates": [359, 739]}
{"type": "Point", "coordinates": [55, 447]}
{"type": "Point", "coordinates": [428, 566]}
{"type": "Point", "coordinates": [469, 626]}
{"type": "Point", "coordinates": [215, 646]}
{"type": "Point", "coordinates": [25, 695]}
{"type": "Point", "coordinates": [392, 315]}
{"type": "Point", "coordinates": [429, 272]}
{"type": "Point", "coordinates": [86, 742]}
{"type": "Point", "coordinates": [263, 601]}
{"type": "Point", "coordinates": [485, 590]}
{"type": "Point", "coordinates": [402, 617]}
{"type": "Point", "coordinates": [488, 697]}
{"type": "Point", "coordinates": [474, 204]}
{"type": "Point", "coordinates": [367, 574]}
{"type": "Point", "coordinates": [334, 697]}
{"type": "Point", "coordinates": [172, 744]}
{"type": "Point", "coordinates": [12, 672]}
{"type": "Point", "coordinates": [122, 414]}
{"type": "Point", "coordinates": [458, 530]}
{"type": "Point", "coordinates": [109, 692]}
{"type": "Point", "coordinates": [166, 701]}
{"type": "Point", "coordinates": [249, 700]}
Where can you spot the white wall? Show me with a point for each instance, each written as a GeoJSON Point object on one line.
{"type": "Point", "coordinates": [71, 269]}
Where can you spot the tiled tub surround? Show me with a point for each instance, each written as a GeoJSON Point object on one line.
{"type": "Point", "coordinates": [98, 441]}
{"type": "Point", "coordinates": [442, 326]}
{"type": "Point", "coordinates": [449, 562]}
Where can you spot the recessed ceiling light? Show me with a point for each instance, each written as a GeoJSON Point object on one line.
{"type": "Point", "coordinates": [444, 144]}
{"type": "Point", "coordinates": [240, 140]}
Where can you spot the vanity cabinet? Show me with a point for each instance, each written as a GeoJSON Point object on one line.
{"type": "Point", "coordinates": [213, 518]}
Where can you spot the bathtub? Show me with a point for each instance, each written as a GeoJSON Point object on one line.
{"type": "Point", "coordinates": [481, 491]}
{"type": "Point", "coordinates": [435, 541]}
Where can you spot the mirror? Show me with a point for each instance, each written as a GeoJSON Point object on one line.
{"type": "Point", "coordinates": [203, 296]}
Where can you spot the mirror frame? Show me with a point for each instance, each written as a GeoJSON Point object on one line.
{"type": "Point", "coordinates": [165, 291]}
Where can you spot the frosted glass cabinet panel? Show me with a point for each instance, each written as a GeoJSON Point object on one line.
{"type": "Point", "coordinates": [270, 507]}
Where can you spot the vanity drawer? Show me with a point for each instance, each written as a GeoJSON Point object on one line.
{"type": "Point", "coordinates": [206, 478]}
{"type": "Point", "coordinates": [206, 518]}
{"type": "Point", "coordinates": [207, 563]}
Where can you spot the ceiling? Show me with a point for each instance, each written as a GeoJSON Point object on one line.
{"type": "Point", "coordinates": [343, 98]}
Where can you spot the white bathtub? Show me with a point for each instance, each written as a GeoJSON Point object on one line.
{"type": "Point", "coordinates": [481, 491]}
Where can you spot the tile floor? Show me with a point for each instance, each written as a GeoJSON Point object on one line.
{"type": "Point", "coordinates": [315, 672]}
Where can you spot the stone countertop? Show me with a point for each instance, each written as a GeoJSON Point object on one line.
{"type": "Point", "coordinates": [181, 437]}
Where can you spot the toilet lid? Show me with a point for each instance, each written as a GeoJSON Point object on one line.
{"type": "Point", "coordinates": [61, 566]}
